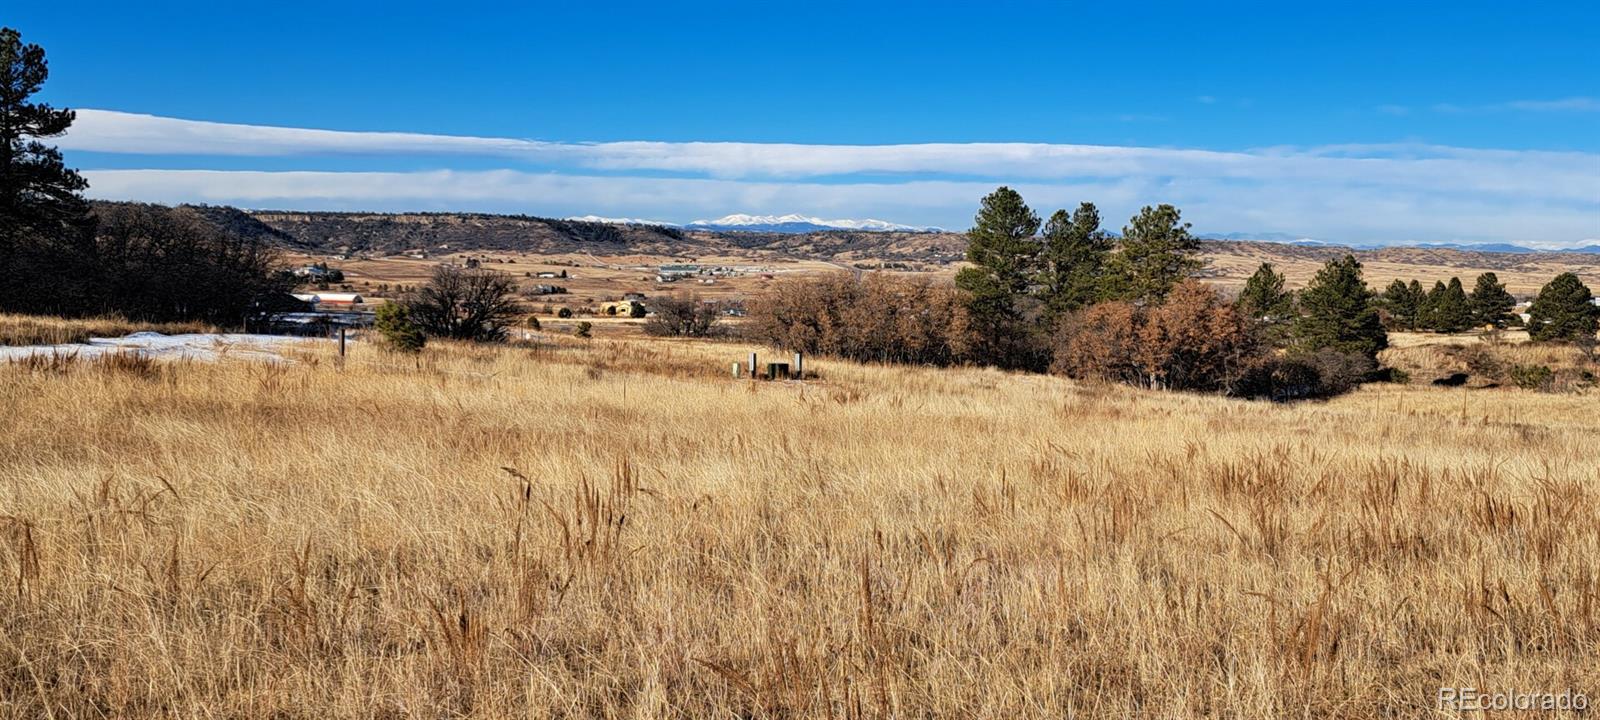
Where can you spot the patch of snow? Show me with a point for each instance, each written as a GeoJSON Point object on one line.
{"type": "Point", "coordinates": [620, 221]}
{"type": "Point", "coordinates": [797, 221]}
{"type": "Point", "coordinates": [204, 347]}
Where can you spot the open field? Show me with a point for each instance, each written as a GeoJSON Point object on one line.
{"type": "Point", "coordinates": [600, 278]}
{"type": "Point", "coordinates": [591, 279]}
{"type": "Point", "coordinates": [617, 529]}
{"type": "Point", "coordinates": [1231, 264]}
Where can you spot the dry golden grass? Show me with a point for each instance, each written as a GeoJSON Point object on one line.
{"type": "Point", "coordinates": [39, 330]}
{"type": "Point", "coordinates": [616, 529]}
{"type": "Point", "coordinates": [1488, 360]}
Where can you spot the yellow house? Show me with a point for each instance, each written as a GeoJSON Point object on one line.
{"type": "Point", "coordinates": [623, 308]}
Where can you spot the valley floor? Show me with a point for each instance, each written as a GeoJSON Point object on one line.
{"type": "Point", "coordinates": [617, 528]}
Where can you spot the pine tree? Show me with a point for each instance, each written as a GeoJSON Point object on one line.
{"type": "Point", "coordinates": [395, 325]}
{"type": "Point", "coordinates": [1450, 311]}
{"type": "Point", "coordinates": [1265, 301]}
{"type": "Point", "coordinates": [1337, 313]}
{"type": "Point", "coordinates": [1073, 259]}
{"type": "Point", "coordinates": [1403, 301]}
{"type": "Point", "coordinates": [1428, 310]}
{"type": "Point", "coordinates": [1491, 304]}
{"type": "Point", "coordinates": [1003, 251]}
{"type": "Point", "coordinates": [1563, 311]}
{"type": "Point", "coordinates": [46, 242]}
{"type": "Point", "coordinates": [1263, 297]}
{"type": "Point", "coordinates": [1156, 253]}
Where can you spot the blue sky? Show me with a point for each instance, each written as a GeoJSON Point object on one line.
{"type": "Point", "coordinates": [1386, 122]}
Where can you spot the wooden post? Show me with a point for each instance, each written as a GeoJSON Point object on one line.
{"type": "Point", "coordinates": [341, 341]}
{"type": "Point", "coordinates": [736, 367]}
{"type": "Point", "coordinates": [754, 373]}
{"type": "Point", "coordinates": [799, 367]}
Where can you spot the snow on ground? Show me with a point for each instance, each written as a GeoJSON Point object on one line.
{"type": "Point", "coordinates": [205, 347]}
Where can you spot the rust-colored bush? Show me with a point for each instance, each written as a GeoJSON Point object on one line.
{"type": "Point", "coordinates": [1194, 340]}
{"type": "Point", "coordinates": [874, 318]}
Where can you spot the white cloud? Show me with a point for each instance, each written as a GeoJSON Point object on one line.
{"type": "Point", "coordinates": [1551, 176]}
{"type": "Point", "coordinates": [1571, 104]}
{"type": "Point", "coordinates": [1341, 192]}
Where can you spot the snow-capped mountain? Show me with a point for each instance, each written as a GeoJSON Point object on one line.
{"type": "Point", "coordinates": [1264, 237]}
{"type": "Point", "coordinates": [797, 223]}
{"type": "Point", "coordinates": [620, 221]}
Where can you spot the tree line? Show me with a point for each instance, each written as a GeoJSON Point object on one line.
{"type": "Point", "coordinates": [61, 255]}
{"type": "Point", "coordinates": [1562, 311]}
{"type": "Point", "coordinates": [1068, 297]}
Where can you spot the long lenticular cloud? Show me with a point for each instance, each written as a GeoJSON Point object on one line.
{"type": "Point", "coordinates": [1367, 193]}
{"type": "Point", "coordinates": [1555, 176]}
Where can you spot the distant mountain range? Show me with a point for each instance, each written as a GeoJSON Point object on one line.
{"type": "Point", "coordinates": [792, 223]}
{"type": "Point", "coordinates": [620, 221]}
{"type": "Point", "coordinates": [799, 224]}
{"type": "Point", "coordinates": [1287, 239]}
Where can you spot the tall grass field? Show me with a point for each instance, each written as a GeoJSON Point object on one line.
{"type": "Point", "coordinates": [620, 529]}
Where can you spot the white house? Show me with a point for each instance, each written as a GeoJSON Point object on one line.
{"type": "Point", "coordinates": [331, 298]}
{"type": "Point", "coordinates": [340, 299]}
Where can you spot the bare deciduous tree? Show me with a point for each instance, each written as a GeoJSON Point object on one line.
{"type": "Point", "coordinates": [464, 303]}
{"type": "Point", "coordinates": [684, 315]}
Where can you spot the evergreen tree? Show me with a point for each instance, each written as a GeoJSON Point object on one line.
{"type": "Point", "coordinates": [395, 325]}
{"type": "Point", "coordinates": [1337, 313]}
{"type": "Point", "coordinates": [1003, 251]}
{"type": "Point", "coordinates": [1263, 297]}
{"type": "Point", "coordinates": [1404, 302]}
{"type": "Point", "coordinates": [1156, 253]}
{"type": "Point", "coordinates": [1428, 311]}
{"type": "Point", "coordinates": [1073, 259]}
{"type": "Point", "coordinates": [1450, 311]}
{"type": "Point", "coordinates": [46, 239]}
{"type": "Point", "coordinates": [1491, 304]}
{"type": "Point", "coordinates": [1265, 301]}
{"type": "Point", "coordinates": [1564, 311]}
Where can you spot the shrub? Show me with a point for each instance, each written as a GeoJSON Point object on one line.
{"type": "Point", "coordinates": [1099, 343]}
{"type": "Point", "coordinates": [1393, 375]}
{"type": "Point", "coordinates": [1318, 373]}
{"type": "Point", "coordinates": [1533, 377]}
{"type": "Point", "coordinates": [533, 322]}
{"type": "Point", "coordinates": [584, 329]}
{"type": "Point", "coordinates": [395, 325]}
{"type": "Point", "coordinates": [564, 313]}
{"type": "Point", "coordinates": [870, 318]}
{"type": "Point", "coordinates": [1194, 340]}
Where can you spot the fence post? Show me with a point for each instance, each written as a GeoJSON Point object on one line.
{"type": "Point", "coordinates": [753, 372]}
{"type": "Point", "coordinates": [341, 341]}
{"type": "Point", "coordinates": [799, 367]}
